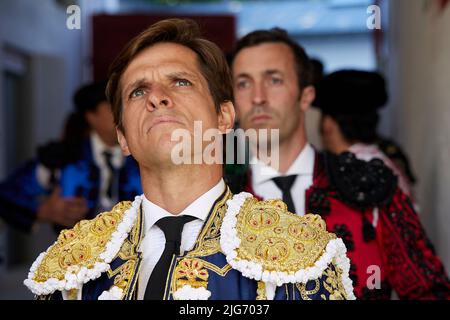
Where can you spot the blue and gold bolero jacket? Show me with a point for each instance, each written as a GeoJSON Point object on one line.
{"type": "Point", "coordinates": [247, 249]}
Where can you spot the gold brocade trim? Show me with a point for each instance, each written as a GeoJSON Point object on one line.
{"type": "Point", "coordinates": [220, 271]}
{"type": "Point", "coordinates": [187, 268]}
{"type": "Point", "coordinates": [333, 284]}
{"type": "Point", "coordinates": [72, 294]}
{"type": "Point", "coordinates": [261, 291]}
{"type": "Point", "coordinates": [190, 272]}
{"type": "Point", "coordinates": [305, 293]}
{"type": "Point", "coordinates": [208, 242]}
{"type": "Point", "coordinates": [134, 292]}
{"type": "Point", "coordinates": [277, 239]}
{"type": "Point", "coordinates": [80, 246]}
{"type": "Point", "coordinates": [126, 272]}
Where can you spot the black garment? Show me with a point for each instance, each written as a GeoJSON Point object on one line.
{"type": "Point", "coordinates": [172, 228]}
{"type": "Point", "coordinates": [112, 189]}
{"type": "Point", "coordinates": [285, 185]}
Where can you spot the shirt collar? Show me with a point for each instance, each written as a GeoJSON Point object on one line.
{"type": "Point", "coordinates": [199, 208]}
{"type": "Point", "coordinates": [98, 147]}
{"type": "Point", "coordinates": [303, 165]}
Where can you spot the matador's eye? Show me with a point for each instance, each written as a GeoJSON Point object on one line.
{"type": "Point", "coordinates": [137, 93]}
{"type": "Point", "coordinates": [183, 83]}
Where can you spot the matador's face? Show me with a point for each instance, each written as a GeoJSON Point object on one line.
{"type": "Point", "coordinates": [163, 90]}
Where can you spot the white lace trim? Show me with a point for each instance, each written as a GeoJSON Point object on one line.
{"type": "Point", "coordinates": [115, 293]}
{"type": "Point", "coordinates": [335, 252]}
{"type": "Point", "coordinates": [189, 293]}
{"type": "Point", "coordinates": [76, 277]}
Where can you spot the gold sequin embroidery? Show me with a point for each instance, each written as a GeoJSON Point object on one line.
{"type": "Point", "coordinates": [278, 239]}
{"type": "Point", "coordinates": [305, 293]}
{"type": "Point", "coordinates": [80, 246]}
{"type": "Point", "coordinates": [208, 242]}
{"type": "Point", "coordinates": [261, 291]}
{"type": "Point", "coordinates": [190, 272]}
{"type": "Point", "coordinates": [333, 284]}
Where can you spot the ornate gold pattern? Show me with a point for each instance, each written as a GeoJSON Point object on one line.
{"type": "Point", "coordinates": [122, 280]}
{"type": "Point", "coordinates": [273, 249]}
{"type": "Point", "coordinates": [333, 284]}
{"type": "Point", "coordinates": [128, 252]}
{"type": "Point", "coordinates": [262, 218]}
{"type": "Point", "coordinates": [278, 239]}
{"type": "Point", "coordinates": [72, 294]}
{"type": "Point", "coordinates": [80, 246]}
{"type": "Point", "coordinates": [208, 242]}
{"type": "Point", "coordinates": [305, 293]}
{"type": "Point", "coordinates": [261, 291]}
{"type": "Point", "coordinates": [190, 272]}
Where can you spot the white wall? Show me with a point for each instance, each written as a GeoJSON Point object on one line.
{"type": "Point", "coordinates": [38, 30]}
{"type": "Point", "coordinates": [341, 51]}
{"type": "Point", "coordinates": [419, 72]}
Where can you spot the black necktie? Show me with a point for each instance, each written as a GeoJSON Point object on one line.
{"type": "Point", "coordinates": [172, 228]}
{"type": "Point", "coordinates": [285, 184]}
{"type": "Point", "coordinates": [112, 175]}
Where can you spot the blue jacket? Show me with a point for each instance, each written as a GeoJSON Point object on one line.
{"type": "Point", "coordinates": [247, 250]}
{"type": "Point", "coordinates": [20, 193]}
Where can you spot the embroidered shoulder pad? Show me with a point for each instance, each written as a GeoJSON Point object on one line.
{"type": "Point", "coordinates": [360, 183]}
{"type": "Point", "coordinates": [265, 242]}
{"type": "Point", "coordinates": [82, 253]}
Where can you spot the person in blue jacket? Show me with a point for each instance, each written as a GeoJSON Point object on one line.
{"type": "Point", "coordinates": [83, 174]}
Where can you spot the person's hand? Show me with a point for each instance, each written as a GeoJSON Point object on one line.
{"type": "Point", "coordinates": [62, 211]}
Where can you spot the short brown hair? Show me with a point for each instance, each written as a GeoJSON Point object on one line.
{"type": "Point", "coordinates": [185, 32]}
{"type": "Point", "coordinates": [275, 35]}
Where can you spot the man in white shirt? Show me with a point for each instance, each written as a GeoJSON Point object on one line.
{"type": "Point", "coordinates": [360, 201]}
{"type": "Point", "coordinates": [273, 90]}
{"type": "Point", "coordinates": [187, 236]}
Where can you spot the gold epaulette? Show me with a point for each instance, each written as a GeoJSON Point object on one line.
{"type": "Point", "coordinates": [280, 240]}
{"type": "Point", "coordinates": [80, 248]}
{"type": "Point", "coordinates": [266, 242]}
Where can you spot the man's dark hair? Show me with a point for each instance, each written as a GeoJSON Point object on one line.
{"type": "Point", "coordinates": [352, 98]}
{"type": "Point", "coordinates": [317, 70]}
{"type": "Point", "coordinates": [278, 35]}
{"type": "Point", "coordinates": [358, 127]}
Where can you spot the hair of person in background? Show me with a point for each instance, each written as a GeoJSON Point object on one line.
{"type": "Point", "coordinates": [88, 97]}
{"type": "Point", "coordinates": [352, 98]}
{"type": "Point", "coordinates": [278, 35]}
{"type": "Point", "coordinates": [358, 127]}
{"type": "Point", "coordinates": [317, 70]}
{"type": "Point", "coordinates": [76, 129]}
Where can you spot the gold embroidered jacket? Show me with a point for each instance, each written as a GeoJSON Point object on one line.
{"type": "Point", "coordinates": [247, 249]}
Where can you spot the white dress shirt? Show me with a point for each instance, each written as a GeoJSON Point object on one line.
{"type": "Point", "coordinates": [117, 160]}
{"type": "Point", "coordinates": [303, 167]}
{"type": "Point", "coordinates": [154, 241]}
